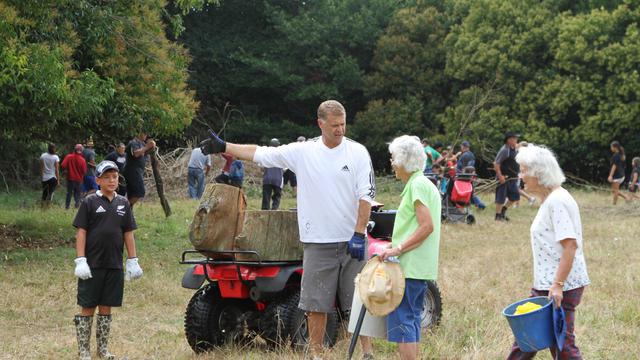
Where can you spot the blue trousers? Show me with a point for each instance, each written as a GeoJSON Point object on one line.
{"type": "Point", "coordinates": [196, 183]}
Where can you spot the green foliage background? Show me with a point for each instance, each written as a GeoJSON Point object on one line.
{"type": "Point", "coordinates": [562, 73]}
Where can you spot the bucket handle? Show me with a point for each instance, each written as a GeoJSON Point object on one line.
{"type": "Point", "coordinates": [559, 326]}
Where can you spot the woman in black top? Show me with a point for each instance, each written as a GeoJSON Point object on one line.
{"type": "Point", "coordinates": [616, 174]}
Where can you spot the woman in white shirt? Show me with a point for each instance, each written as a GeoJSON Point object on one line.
{"type": "Point", "coordinates": [559, 268]}
{"type": "Point", "coordinates": [50, 173]}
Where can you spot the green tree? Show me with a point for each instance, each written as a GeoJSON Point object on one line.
{"type": "Point", "coordinates": [407, 83]}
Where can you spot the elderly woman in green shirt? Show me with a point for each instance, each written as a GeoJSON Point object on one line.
{"type": "Point", "coordinates": [415, 242]}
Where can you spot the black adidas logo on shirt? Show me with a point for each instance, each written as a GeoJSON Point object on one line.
{"type": "Point", "coordinates": [345, 168]}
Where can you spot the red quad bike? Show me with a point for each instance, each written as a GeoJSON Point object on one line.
{"type": "Point", "coordinates": [239, 299]}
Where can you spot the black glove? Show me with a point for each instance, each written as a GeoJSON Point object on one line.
{"type": "Point", "coordinates": [213, 145]}
{"type": "Point", "coordinates": [356, 246]}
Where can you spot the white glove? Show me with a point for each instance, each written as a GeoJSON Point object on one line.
{"type": "Point", "coordinates": [133, 270]}
{"type": "Point", "coordinates": [82, 268]}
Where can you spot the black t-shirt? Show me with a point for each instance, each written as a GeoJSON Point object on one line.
{"type": "Point", "coordinates": [616, 160]}
{"type": "Point", "coordinates": [134, 164]}
{"type": "Point", "coordinates": [105, 222]}
{"type": "Point", "coordinates": [120, 160]}
{"type": "Point", "coordinates": [506, 159]}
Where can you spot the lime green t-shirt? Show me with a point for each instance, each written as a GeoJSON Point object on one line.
{"type": "Point", "coordinates": [421, 262]}
{"type": "Point", "coordinates": [434, 154]}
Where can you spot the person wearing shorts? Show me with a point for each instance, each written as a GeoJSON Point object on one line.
{"type": "Point", "coordinates": [617, 172]}
{"type": "Point", "coordinates": [337, 186]}
{"type": "Point", "coordinates": [136, 159]}
{"type": "Point", "coordinates": [415, 242]}
{"type": "Point", "coordinates": [507, 169]}
{"type": "Point", "coordinates": [105, 225]}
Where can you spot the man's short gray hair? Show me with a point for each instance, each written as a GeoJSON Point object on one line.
{"type": "Point", "coordinates": [541, 163]}
{"type": "Point", "coordinates": [330, 107]}
{"type": "Point", "coordinates": [408, 153]}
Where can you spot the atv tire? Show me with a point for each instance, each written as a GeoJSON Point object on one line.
{"type": "Point", "coordinates": [284, 323]}
{"type": "Point", "coordinates": [197, 324]}
{"type": "Point", "coordinates": [432, 311]}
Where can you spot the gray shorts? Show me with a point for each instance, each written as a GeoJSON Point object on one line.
{"type": "Point", "coordinates": [328, 272]}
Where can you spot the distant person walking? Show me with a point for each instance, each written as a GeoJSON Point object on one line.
{"type": "Point", "coordinates": [199, 166]}
{"type": "Point", "coordinates": [136, 159]}
{"type": "Point", "coordinates": [75, 166]}
{"type": "Point", "coordinates": [507, 170]}
{"type": "Point", "coordinates": [49, 173]}
{"type": "Point", "coordinates": [89, 184]}
{"type": "Point", "coordinates": [467, 160]}
{"type": "Point", "coordinates": [617, 172]}
{"type": "Point", "coordinates": [272, 181]}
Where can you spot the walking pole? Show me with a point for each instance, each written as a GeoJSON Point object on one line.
{"type": "Point", "coordinates": [356, 331]}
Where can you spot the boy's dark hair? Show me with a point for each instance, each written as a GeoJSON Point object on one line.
{"type": "Point", "coordinates": [51, 149]}
{"type": "Point", "coordinates": [436, 166]}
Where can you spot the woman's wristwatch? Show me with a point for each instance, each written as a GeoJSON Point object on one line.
{"type": "Point", "coordinates": [561, 283]}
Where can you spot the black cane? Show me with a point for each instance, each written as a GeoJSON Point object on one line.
{"type": "Point", "coordinates": [356, 331]}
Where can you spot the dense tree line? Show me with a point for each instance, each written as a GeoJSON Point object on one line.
{"type": "Point", "coordinates": [74, 69]}
{"type": "Point", "coordinates": [563, 73]}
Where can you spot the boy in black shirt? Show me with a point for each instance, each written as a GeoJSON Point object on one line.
{"type": "Point", "coordinates": [104, 224]}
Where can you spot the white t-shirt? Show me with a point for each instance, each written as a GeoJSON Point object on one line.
{"type": "Point", "coordinates": [331, 182]}
{"type": "Point", "coordinates": [558, 218]}
{"type": "Point", "coordinates": [49, 162]}
{"type": "Point", "coordinates": [198, 160]}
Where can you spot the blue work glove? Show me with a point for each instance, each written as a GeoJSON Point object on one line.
{"type": "Point", "coordinates": [213, 145]}
{"type": "Point", "coordinates": [356, 246]}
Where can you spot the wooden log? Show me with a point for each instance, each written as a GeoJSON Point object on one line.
{"type": "Point", "coordinates": [273, 234]}
{"type": "Point", "coordinates": [218, 219]}
{"type": "Point", "coordinates": [159, 184]}
{"type": "Point", "coordinates": [221, 224]}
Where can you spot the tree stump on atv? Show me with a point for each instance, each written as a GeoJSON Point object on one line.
{"type": "Point", "coordinates": [221, 223]}
{"type": "Point", "coordinates": [273, 234]}
{"type": "Point", "coordinates": [218, 219]}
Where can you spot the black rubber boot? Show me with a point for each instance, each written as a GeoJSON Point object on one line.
{"type": "Point", "coordinates": [83, 333]}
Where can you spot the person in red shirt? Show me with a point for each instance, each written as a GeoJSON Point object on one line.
{"type": "Point", "coordinates": [75, 166]}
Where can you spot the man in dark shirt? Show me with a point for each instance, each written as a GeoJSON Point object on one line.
{"type": "Point", "coordinates": [467, 158]}
{"type": "Point", "coordinates": [507, 170]}
{"type": "Point", "coordinates": [136, 159]}
{"type": "Point", "coordinates": [272, 181]}
{"type": "Point", "coordinates": [104, 225]}
{"type": "Point", "coordinates": [89, 184]}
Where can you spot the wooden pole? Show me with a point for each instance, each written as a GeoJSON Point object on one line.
{"type": "Point", "coordinates": [159, 184]}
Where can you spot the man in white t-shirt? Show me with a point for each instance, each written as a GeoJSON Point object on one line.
{"type": "Point", "coordinates": [336, 188]}
{"type": "Point", "coordinates": [50, 173]}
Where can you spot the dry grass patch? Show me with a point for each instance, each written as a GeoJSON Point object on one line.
{"type": "Point", "coordinates": [483, 268]}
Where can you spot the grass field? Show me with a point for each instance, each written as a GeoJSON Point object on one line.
{"type": "Point", "coordinates": [483, 268]}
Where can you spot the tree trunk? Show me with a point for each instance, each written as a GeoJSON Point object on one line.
{"type": "Point", "coordinates": [159, 184]}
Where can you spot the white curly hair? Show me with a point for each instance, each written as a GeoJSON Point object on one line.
{"type": "Point", "coordinates": [541, 163]}
{"type": "Point", "coordinates": [407, 152]}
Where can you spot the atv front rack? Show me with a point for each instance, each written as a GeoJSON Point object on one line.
{"type": "Point", "coordinates": [233, 260]}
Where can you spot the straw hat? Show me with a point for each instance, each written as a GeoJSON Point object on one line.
{"type": "Point", "coordinates": [381, 286]}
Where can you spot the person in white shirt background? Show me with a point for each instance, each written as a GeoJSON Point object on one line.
{"type": "Point", "coordinates": [336, 188]}
{"type": "Point", "coordinates": [50, 173]}
{"type": "Point", "coordinates": [559, 267]}
{"type": "Point", "coordinates": [199, 166]}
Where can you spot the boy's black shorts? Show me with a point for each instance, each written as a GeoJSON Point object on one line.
{"type": "Point", "coordinates": [106, 287]}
